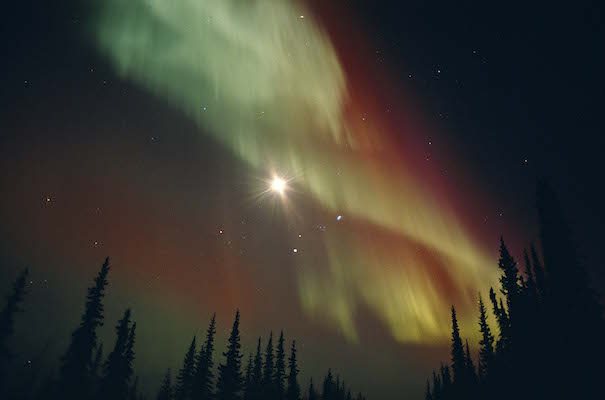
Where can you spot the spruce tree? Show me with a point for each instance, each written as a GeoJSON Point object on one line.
{"type": "Point", "coordinates": [336, 395]}
{"type": "Point", "coordinates": [503, 322]}
{"type": "Point", "coordinates": [427, 393]}
{"type": "Point", "coordinates": [486, 351]}
{"type": "Point", "coordinates": [470, 367]}
{"type": "Point", "coordinates": [114, 384]}
{"type": "Point", "coordinates": [257, 374]}
{"type": "Point", "coordinates": [129, 353]}
{"type": "Point", "coordinates": [204, 376]}
{"type": "Point", "coordinates": [279, 375]}
{"type": "Point", "coordinates": [293, 392]}
{"type": "Point", "coordinates": [248, 386]}
{"type": "Point", "coordinates": [312, 392]}
{"type": "Point", "coordinates": [339, 394]}
{"type": "Point", "coordinates": [458, 364]}
{"type": "Point", "coordinates": [328, 386]}
{"type": "Point", "coordinates": [74, 378]}
{"type": "Point", "coordinates": [509, 279]}
{"type": "Point", "coordinates": [268, 368]}
{"type": "Point", "coordinates": [165, 392]}
{"type": "Point", "coordinates": [229, 382]}
{"type": "Point", "coordinates": [184, 379]}
{"type": "Point", "coordinates": [446, 380]}
{"type": "Point", "coordinates": [7, 324]}
{"type": "Point", "coordinates": [436, 386]}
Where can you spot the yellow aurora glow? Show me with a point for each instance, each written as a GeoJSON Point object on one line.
{"type": "Point", "coordinates": [268, 84]}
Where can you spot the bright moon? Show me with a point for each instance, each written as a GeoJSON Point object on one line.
{"type": "Point", "coordinates": [278, 185]}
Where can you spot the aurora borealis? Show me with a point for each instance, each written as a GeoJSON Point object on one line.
{"type": "Point", "coordinates": [151, 131]}
{"type": "Point", "coordinates": [266, 81]}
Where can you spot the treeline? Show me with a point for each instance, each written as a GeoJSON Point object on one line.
{"type": "Point", "coordinates": [549, 342]}
{"type": "Point", "coordinates": [86, 373]}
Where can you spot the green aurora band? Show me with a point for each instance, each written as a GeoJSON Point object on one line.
{"type": "Point", "coordinates": [265, 81]}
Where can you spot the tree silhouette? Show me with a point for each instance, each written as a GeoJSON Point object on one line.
{"type": "Point", "coordinates": [75, 366]}
{"type": "Point", "coordinates": [129, 353]}
{"type": "Point", "coordinates": [254, 387]}
{"type": "Point", "coordinates": [550, 331]}
{"type": "Point", "coordinates": [486, 351]}
{"type": "Point", "coordinates": [165, 392]}
{"type": "Point", "coordinates": [114, 384]}
{"type": "Point", "coordinates": [328, 386]}
{"type": "Point", "coordinates": [458, 364]}
{"type": "Point", "coordinates": [184, 379]}
{"type": "Point", "coordinates": [293, 392]}
{"type": "Point", "coordinates": [268, 368]}
{"type": "Point", "coordinates": [446, 380]}
{"type": "Point", "coordinates": [7, 323]}
{"type": "Point", "coordinates": [470, 368]}
{"type": "Point", "coordinates": [509, 279]}
{"type": "Point", "coordinates": [248, 385]}
{"type": "Point", "coordinates": [203, 380]}
{"type": "Point", "coordinates": [112, 378]}
{"type": "Point", "coordinates": [312, 392]}
{"type": "Point", "coordinates": [230, 376]}
{"type": "Point", "coordinates": [503, 322]}
{"type": "Point", "coordinates": [279, 375]}
{"type": "Point", "coordinates": [427, 393]}
{"type": "Point", "coordinates": [436, 386]}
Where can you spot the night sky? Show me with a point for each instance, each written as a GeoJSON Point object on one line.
{"type": "Point", "coordinates": [409, 136]}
